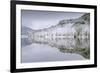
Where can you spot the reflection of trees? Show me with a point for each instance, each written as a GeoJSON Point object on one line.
{"type": "Point", "coordinates": [78, 29]}
{"type": "Point", "coordinates": [76, 42]}
{"type": "Point", "coordinates": [76, 45]}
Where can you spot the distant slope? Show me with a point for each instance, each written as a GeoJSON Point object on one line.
{"type": "Point", "coordinates": [25, 30]}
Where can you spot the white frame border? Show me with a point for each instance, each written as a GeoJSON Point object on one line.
{"type": "Point", "coordinates": [20, 65]}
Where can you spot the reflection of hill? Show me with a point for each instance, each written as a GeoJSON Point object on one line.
{"type": "Point", "coordinates": [85, 52]}
{"type": "Point", "coordinates": [25, 41]}
{"type": "Point", "coordinates": [66, 45]}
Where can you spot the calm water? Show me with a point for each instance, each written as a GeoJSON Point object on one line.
{"type": "Point", "coordinates": [58, 49]}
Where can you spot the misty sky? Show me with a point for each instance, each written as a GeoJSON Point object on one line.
{"type": "Point", "coordinates": [43, 19]}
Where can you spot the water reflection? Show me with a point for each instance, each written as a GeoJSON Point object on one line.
{"type": "Point", "coordinates": [70, 45]}
{"type": "Point", "coordinates": [79, 46]}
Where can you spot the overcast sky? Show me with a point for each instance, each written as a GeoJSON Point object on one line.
{"type": "Point", "coordinates": [43, 19]}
